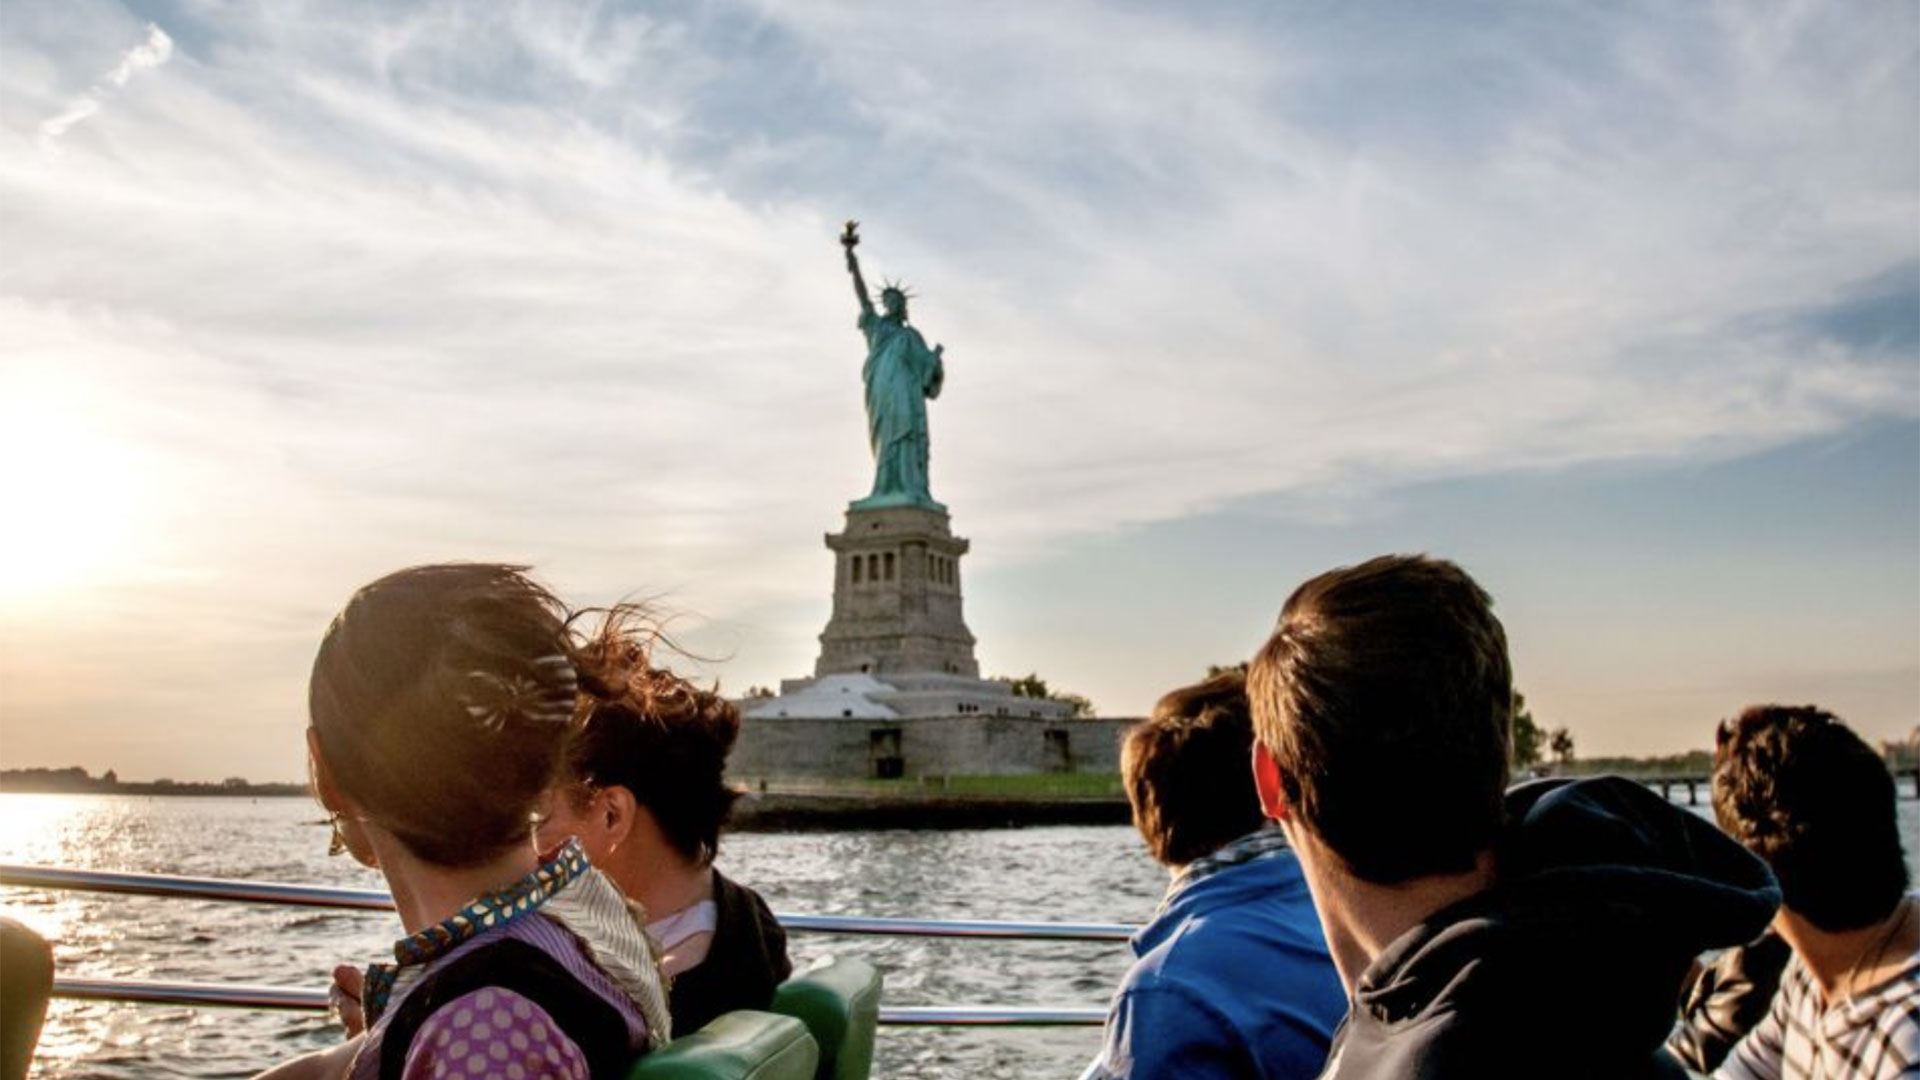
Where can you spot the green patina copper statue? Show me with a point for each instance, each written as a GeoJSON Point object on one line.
{"type": "Point", "coordinates": [901, 373]}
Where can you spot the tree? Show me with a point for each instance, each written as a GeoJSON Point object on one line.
{"type": "Point", "coordinates": [1531, 742]}
{"type": "Point", "coordinates": [1525, 751]}
{"type": "Point", "coordinates": [759, 692]}
{"type": "Point", "coordinates": [1082, 705]}
{"type": "Point", "coordinates": [1561, 744]}
{"type": "Point", "coordinates": [1031, 685]}
{"type": "Point", "coordinates": [1216, 670]}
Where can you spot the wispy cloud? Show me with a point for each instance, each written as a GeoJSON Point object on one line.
{"type": "Point", "coordinates": [153, 52]}
{"type": "Point", "coordinates": [558, 281]}
{"type": "Point", "coordinates": [157, 49]}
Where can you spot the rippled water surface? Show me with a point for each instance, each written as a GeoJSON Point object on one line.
{"type": "Point", "coordinates": [1095, 874]}
{"type": "Point", "coordinates": [1090, 874]}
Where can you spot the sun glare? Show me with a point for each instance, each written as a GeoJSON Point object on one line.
{"type": "Point", "coordinates": [68, 494]}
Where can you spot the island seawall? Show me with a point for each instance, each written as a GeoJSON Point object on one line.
{"type": "Point", "coordinates": [849, 811]}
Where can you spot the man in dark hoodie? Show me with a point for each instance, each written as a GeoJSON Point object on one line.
{"type": "Point", "coordinates": [1480, 932]}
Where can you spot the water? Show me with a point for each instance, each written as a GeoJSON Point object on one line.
{"type": "Point", "coordinates": [1079, 874]}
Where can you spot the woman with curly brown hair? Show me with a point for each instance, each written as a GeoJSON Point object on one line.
{"type": "Point", "coordinates": [644, 790]}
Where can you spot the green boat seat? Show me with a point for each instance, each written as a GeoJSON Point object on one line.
{"type": "Point", "coordinates": [742, 1045]}
{"type": "Point", "coordinates": [839, 1001]}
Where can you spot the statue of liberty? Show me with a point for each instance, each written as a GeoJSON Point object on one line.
{"type": "Point", "coordinates": [901, 374]}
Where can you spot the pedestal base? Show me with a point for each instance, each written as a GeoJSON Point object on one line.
{"type": "Point", "coordinates": [896, 595]}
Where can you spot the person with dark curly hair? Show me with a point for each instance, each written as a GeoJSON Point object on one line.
{"type": "Point", "coordinates": [644, 790]}
{"type": "Point", "coordinates": [1806, 794]}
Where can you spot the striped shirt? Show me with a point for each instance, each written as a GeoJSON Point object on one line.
{"type": "Point", "coordinates": [1872, 1036]}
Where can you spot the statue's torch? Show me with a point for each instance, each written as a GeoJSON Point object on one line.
{"type": "Point", "coordinates": [850, 236]}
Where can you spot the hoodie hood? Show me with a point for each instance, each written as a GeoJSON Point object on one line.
{"type": "Point", "coordinates": [1605, 894]}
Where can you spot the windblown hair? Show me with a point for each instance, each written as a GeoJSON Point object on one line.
{"type": "Point", "coordinates": [1799, 789]}
{"type": "Point", "coordinates": [1386, 699]}
{"type": "Point", "coordinates": [653, 733]}
{"type": "Point", "coordinates": [442, 698]}
{"type": "Point", "coordinates": [1187, 770]}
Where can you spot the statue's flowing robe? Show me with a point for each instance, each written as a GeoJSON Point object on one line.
{"type": "Point", "coordinates": [901, 373]}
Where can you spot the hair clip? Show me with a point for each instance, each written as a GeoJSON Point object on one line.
{"type": "Point", "coordinates": [518, 695]}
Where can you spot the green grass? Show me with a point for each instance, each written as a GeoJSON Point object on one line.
{"type": "Point", "coordinates": [1029, 786]}
{"type": "Point", "coordinates": [1083, 784]}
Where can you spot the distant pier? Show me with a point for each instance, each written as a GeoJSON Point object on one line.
{"type": "Point", "coordinates": [1665, 785]}
{"type": "Point", "coordinates": [1906, 779]}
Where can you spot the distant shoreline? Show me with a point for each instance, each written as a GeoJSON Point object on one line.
{"type": "Point", "coordinates": [251, 791]}
{"type": "Point", "coordinates": [76, 781]}
{"type": "Point", "coordinates": [940, 803]}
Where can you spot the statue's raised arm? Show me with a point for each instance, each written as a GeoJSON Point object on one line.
{"type": "Point", "coordinates": [850, 239]}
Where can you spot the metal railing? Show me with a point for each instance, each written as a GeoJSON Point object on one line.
{"type": "Point", "coordinates": [325, 896]}
{"type": "Point", "coordinates": [254, 996]}
{"type": "Point", "coordinates": [193, 888]}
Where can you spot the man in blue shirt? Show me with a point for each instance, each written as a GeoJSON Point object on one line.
{"type": "Point", "coordinates": [1233, 977]}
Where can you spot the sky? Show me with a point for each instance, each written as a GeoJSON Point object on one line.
{"type": "Point", "coordinates": [1617, 305]}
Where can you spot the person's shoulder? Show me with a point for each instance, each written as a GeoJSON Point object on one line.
{"type": "Point", "coordinates": [1166, 1027]}
{"type": "Point", "coordinates": [1263, 892]}
{"type": "Point", "coordinates": [567, 998]}
{"type": "Point", "coordinates": [748, 957]}
{"type": "Point", "coordinates": [730, 892]}
{"type": "Point", "coordinates": [1168, 1015]}
{"type": "Point", "coordinates": [492, 1031]}
{"type": "Point", "coordinates": [1206, 949]}
{"type": "Point", "coordinates": [1898, 1005]}
{"type": "Point", "coordinates": [739, 902]}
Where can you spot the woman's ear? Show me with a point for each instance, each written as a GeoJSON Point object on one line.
{"type": "Point", "coordinates": [1266, 780]}
{"type": "Point", "coordinates": [614, 812]}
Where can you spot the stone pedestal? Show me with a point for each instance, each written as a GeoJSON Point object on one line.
{"type": "Point", "coordinates": [896, 596]}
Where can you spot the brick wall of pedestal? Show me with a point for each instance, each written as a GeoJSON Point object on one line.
{"type": "Point", "coordinates": [783, 749]}
{"type": "Point", "coordinates": [896, 596]}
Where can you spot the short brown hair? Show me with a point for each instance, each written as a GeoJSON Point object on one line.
{"type": "Point", "coordinates": [655, 734]}
{"type": "Point", "coordinates": [1188, 772]}
{"type": "Point", "coordinates": [441, 699]}
{"type": "Point", "coordinates": [1799, 789]}
{"type": "Point", "coordinates": [1386, 699]}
